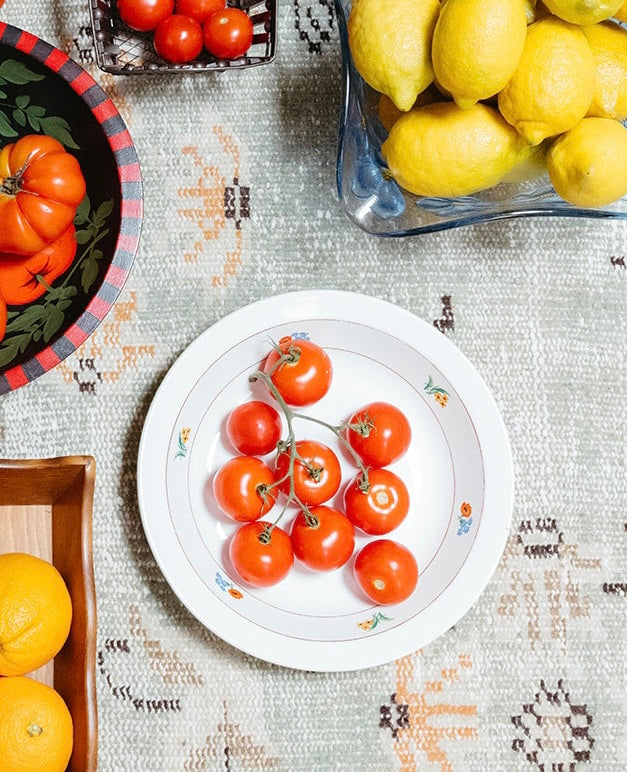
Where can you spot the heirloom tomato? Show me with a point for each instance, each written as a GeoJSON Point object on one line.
{"type": "Point", "coordinates": [178, 39]}
{"type": "Point", "coordinates": [228, 34]}
{"type": "Point", "coordinates": [199, 10]}
{"type": "Point", "coordinates": [240, 488]}
{"type": "Point", "coordinates": [254, 428]}
{"type": "Point", "coordinates": [261, 554]}
{"type": "Point", "coordinates": [380, 506]}
{"type": "Point", "coordinates": [386, 571]}
{"type": "Point", "coordinates": [25, 278]}
{"type": "Point", "coordinates": [324, 540]}
{"type": "Point", "coordinates": [41, 185]}
{"type": "Point", "coordinates": [144, 15]}
{"type": "Point", "coordinates": [316, 473]}
{"type": "Point", "coordinates": [304, 374]}
{"type": "Point", "coordinates": [379, 433]}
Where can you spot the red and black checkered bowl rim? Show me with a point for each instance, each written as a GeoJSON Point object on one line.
{"type": "Point", "coordinates": [131, 213]}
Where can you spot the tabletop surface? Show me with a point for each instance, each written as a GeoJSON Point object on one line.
{"type": "Point", "coordinates": [240, 204]}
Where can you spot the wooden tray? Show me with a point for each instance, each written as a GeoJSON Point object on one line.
{"type": "Point", "coordinates": [46, 510]}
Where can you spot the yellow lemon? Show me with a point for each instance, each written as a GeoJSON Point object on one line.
{"type": "Point", "coordinates": [621, 14]}
{"type": "Point", "coordinates": [442, 150]}
{"type": "Point", "coordinates": [530, 10]}
{"type": "Point", "coordinates": [588, 164]}
{"type": "Point", "coordinates": [608, 42]}
{"type": "Point", "coordinates": [476, 47]}
{"type": "Point", "coordinates": [583, 11]}
{"type": "Point", "coordinates": [553, 84]}
{"type": "Point", "coordinates": [390, 42]}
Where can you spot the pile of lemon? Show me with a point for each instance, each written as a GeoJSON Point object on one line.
{"type": "Point", "coordinates": [477, 92]}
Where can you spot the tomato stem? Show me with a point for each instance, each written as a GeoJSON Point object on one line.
{"type": "Point", "coordinates": [289, 444]}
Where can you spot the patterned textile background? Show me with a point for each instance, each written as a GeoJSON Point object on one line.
{"type": "Point", "coordinates": [533, 677]}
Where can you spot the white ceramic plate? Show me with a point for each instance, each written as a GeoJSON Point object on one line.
{"type": "Point", "coordinates": [458, 470]}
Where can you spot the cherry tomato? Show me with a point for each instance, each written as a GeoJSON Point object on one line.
{"type": "Point", "coordinates": [144, 15]}
{"type": "Point", "coordinates": [316, 474]}
{"type": "Point", "coordinates": [386, 571]}
{"type": "Point", "coordinates": [379, 433]}
{"type": "Point", "coordinates": [24, 278]}
{"type": "Point", "coordinates": [228, 34]}
{"type": "Point", "coordinates": [239, 488]}
{"type": "Point", "coordinates": [199, 10]}
{"type": "Point", "coordinates": [261, 554]}
{"type": "Point", "coordinates": [178, 39]}
{"type": "Point", "coordinates": [380, 507]}
{"type": "Point", "coordinates": [254, 428]}
{"type": "Point", "coordinates": [304, 376]}
{"type": "Point", "coordinates": [41, 185]}
{"type": "Point", "coordinates": [326, 543]}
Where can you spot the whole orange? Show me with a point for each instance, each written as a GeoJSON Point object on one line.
{"type": "Point", "coordinates": [35, 613]}
{"type": "Point", "coordinates": [36, 732]}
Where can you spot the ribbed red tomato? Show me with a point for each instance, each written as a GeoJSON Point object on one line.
{"type": "Point", "coordinates": [26, 278]}
{"type": "Point", "coordinates": [41, 185]}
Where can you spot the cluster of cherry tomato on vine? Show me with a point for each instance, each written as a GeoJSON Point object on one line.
{"type": "Point", "coordinates": [306, 475]}
{"type": "Point", "coordinates": [182, 27]}
{"type": "Point", "coordinates": [41, 187]}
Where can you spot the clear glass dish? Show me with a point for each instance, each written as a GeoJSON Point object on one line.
{"type": "Point", "coordinates": [375, 202]}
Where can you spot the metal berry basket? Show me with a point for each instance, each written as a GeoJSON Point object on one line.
{"type": "Point", "coordinates": [124, 51]}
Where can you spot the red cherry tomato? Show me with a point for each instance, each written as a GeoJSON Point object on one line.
{"type": "Point", "coordinates": [228, 34]}
{"type": "Point", "coordinates": [199, 10]}
{"type": "Point", "coordinates": [386, 571]}
{"type": "Point", "coordinates": [380, 507]}
{"type": "Point", "coordinates": [379, 433]}
{"type": "Point", "coordinates": [326, 543]}
{"type": "Point", "coordinates": [144, 15]}
{"type": "Point", "coordinates": [239, 488]}
{"type": "Point", "coordinates": [178, 39]}
{"type": "Point", "coordinates": [21, 277]}
{"type": "Point", "coordinates": [254, 428]}
{"type": "Point", "coordinates": [304, 376]}
{"type": "Point", "coordinates": [261, 554]}
{"type": "Point", "coordinates": [317, 473]}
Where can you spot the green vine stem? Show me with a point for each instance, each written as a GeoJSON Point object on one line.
{"type": "Point", "coordinates": [289, 444]}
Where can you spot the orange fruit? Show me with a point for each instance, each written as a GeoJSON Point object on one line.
{"type": "Point", "coordinates": [35, 613]}
{"type": "Point", "coordinates": [36, 732]}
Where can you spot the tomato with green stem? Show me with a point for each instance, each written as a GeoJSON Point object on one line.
{"type": "Point", "coordinates": [241, 488]}
{"type": "Point", "coordinates": [144, 15]}
{"type": "Point", "coordinates": [261, 553]}
{"type": "Point", "coordinates": [309, 471]}
{"type": "Point", "coordinates": [386, 571]}
{"type": "Point", "coordinates": [300, 370]}
{"type": "Point", "coordinates": [322, 538]}
{"type": "Point", "coordinates": [379, 433]}
{"type": "Point", "coordinates": [254, 428]}
{"type": "Point", "coordinates": [377, 505]}
{"type": "Point", "coordinates": [26, 278]}
{"type": "Point", "coordinates": [41, 186]}
{"type": "Point", "coordinates": [228, 34]}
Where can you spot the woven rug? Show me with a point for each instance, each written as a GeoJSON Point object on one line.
{"type": "Point", "coordinates": [533, 677]}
